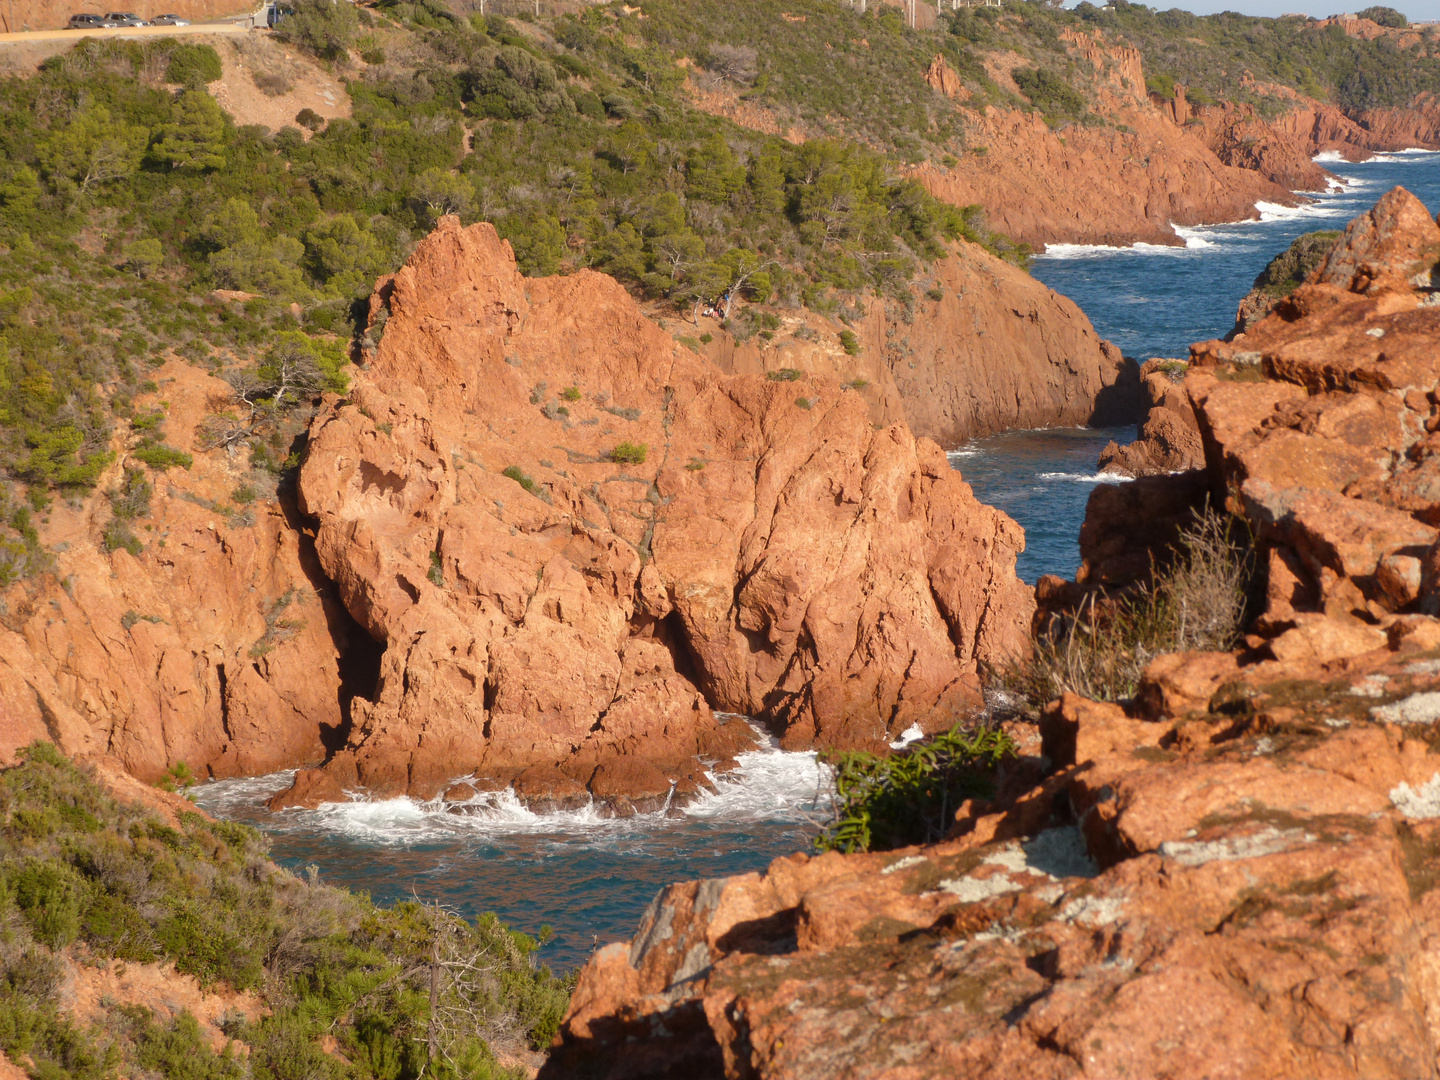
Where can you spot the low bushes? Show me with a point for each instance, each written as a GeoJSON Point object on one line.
{"type": "Point", "coordinates": [910, 797]}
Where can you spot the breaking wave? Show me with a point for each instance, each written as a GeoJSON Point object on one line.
{"type": "Point", "coordinates": [770, 785]}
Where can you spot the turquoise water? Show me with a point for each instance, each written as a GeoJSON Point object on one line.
{"type": "Point", "coordinates": [591, 879]}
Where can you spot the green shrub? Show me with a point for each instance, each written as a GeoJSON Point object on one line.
{"type": "Point", "coordinates": [514, 473]}
{"type": "Point", "coordinates": [192, 65]}
{"type": "Point", "coordinates": [1385, 16]}
{"type": "Point", "coordinates": [571, 393]}
{"type": "Point", "coordinates": [161, 457]}
{"type": "Point", "coordinates": [1049, 92]}
{"type": "Point", "coordinates": [910, 797]}
{"type": "Point", "coordinates": [118, 535]}
{"type": "Point", "coordinates": [629, 453]}
{"type": "Point", "coordinates": [787, 374]}
{"type": "Point", "coordinates": [849, 342]}
{"type": "Point", "coordinates": [51, 896]}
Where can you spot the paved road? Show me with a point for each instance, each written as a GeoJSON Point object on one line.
{"type": "Point", "coordinates": [229, 27]}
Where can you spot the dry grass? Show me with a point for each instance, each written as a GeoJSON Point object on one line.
{"type": "Point", "coordinates": [1201, 600]}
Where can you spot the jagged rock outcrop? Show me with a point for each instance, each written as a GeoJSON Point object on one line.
{"type": "Point", "coordinates": [1317, 426]}
{"type": "Point", "coordinates": [554, 598]}
{"type": "Point", "coordinates": [1230, 875]}
{"type": "Point", "coordinates": [1282, 276]}
{"type": "Point", "coordinates": [217, 645]}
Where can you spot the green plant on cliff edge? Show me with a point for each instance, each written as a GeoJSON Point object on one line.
{"type": "Point", "coordinates": [910, 797]}
{"type": "Point", "coordinates": [1201, 599]}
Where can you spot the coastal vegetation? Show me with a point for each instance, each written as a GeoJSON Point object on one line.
{"type": "Point", "coordinates": [1200, 596]}
{"type": "Point", "coordinates": [910, 797]}
{"type": "Point", "coordinates": [338, 987]}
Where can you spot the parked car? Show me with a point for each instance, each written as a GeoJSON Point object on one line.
{"type": "Point", "coordinates": [87, 22]}
{"type": "Point", "coordinates": [169, 20]}
{"type": "Point", "coordinates": [125, 18]}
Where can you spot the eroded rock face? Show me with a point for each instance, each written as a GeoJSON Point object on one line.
{"type": "Point", "coordinates": [982, 347]}
{"type": "Point", "coordinates": [551, 597]}
{"type": "Point", "coordinates": [1331, 451]}
{"type": "Point", "coordinates": [1244, 892]}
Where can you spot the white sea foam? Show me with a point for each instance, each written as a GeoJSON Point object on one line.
{"type": "Point", "coordinates": [1193, 237]}
{"type": "Point", "coordinates": [1275, 212]}
{"type": "Point", "coordinates": [1328, 155]}
{"type": "Point", "coordinates": [1080, 251]}
{"type": "Point", "coordinates": [1084, 478]}
{"type": "Point", "coordinates": [771, 784]}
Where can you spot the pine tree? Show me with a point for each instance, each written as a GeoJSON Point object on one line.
{"type": "Point", "coordinates": [196, 138]}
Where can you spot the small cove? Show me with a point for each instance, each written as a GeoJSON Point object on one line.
{"type": "Point", "coordinates": [591, 878]}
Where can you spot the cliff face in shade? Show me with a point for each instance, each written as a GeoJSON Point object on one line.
{"type": "Point", "coordinates": [772, 549]}
{"type": "Point", "coordinates": [998, 350]}
{"type": "Point", "coordinates": [216, 646]}
{"type": "Point", "coordinates": [1233, 874]}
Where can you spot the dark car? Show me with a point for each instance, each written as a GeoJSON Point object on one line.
{"type": "Point", "coordinates": [125, 18]}
{"type": "Point", "coordinates": [87, 22]}
{"type": "Point", "coordinates": [169, 20]}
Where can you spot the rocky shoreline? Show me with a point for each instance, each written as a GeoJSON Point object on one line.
{"type": "Point", "coordinates": [1231, 874]}
{"type": "Point", "coordinates": [1159, 162]}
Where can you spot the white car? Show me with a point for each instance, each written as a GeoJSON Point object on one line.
{"type": "Point", "coordinates": [169, 20]}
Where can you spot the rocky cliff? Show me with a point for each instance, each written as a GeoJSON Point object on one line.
{"type": "Point", "coordinates": [217, 645]}
{"type": "Point", "coordinates": [1156, 162]}
{"type": "Point", "coordinates": [1231, 874]}
{"type": "Point", "coordinates": [540, 540]}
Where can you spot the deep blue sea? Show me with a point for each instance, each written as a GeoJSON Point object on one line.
{"type": "Point", "coordinates": [590, 879]}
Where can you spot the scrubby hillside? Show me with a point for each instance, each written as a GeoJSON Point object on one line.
{"type": "Point", "coordinates": [141, 943]}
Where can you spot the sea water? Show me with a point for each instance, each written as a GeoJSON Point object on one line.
{"type": "Point", "coordinates": [591, 878]}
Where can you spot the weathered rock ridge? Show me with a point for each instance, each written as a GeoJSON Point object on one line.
{"type": "Point", "coordinates": [1231, 875]}
{"type": "Point", "coordinates": [982, 348]}
{"type": "Point", "coordinates": [557, 608]}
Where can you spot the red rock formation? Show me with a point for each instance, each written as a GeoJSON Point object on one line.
{"type": "Point", "coordinates": [546, 602]}
{"type": "Point", "coordinates": [943, 80]}
{"type": "Point", "coordinates": [1169, 439]}
{"type": "Point", "coordinates": [1097, 185]}
{"type": "Point", "coordinates": [1160, 162]}
{"type": "Point", "coordinates": [996, 350]}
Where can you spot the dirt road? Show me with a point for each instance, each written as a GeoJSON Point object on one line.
{"type": "Point", "coordinates": [240, 25]}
